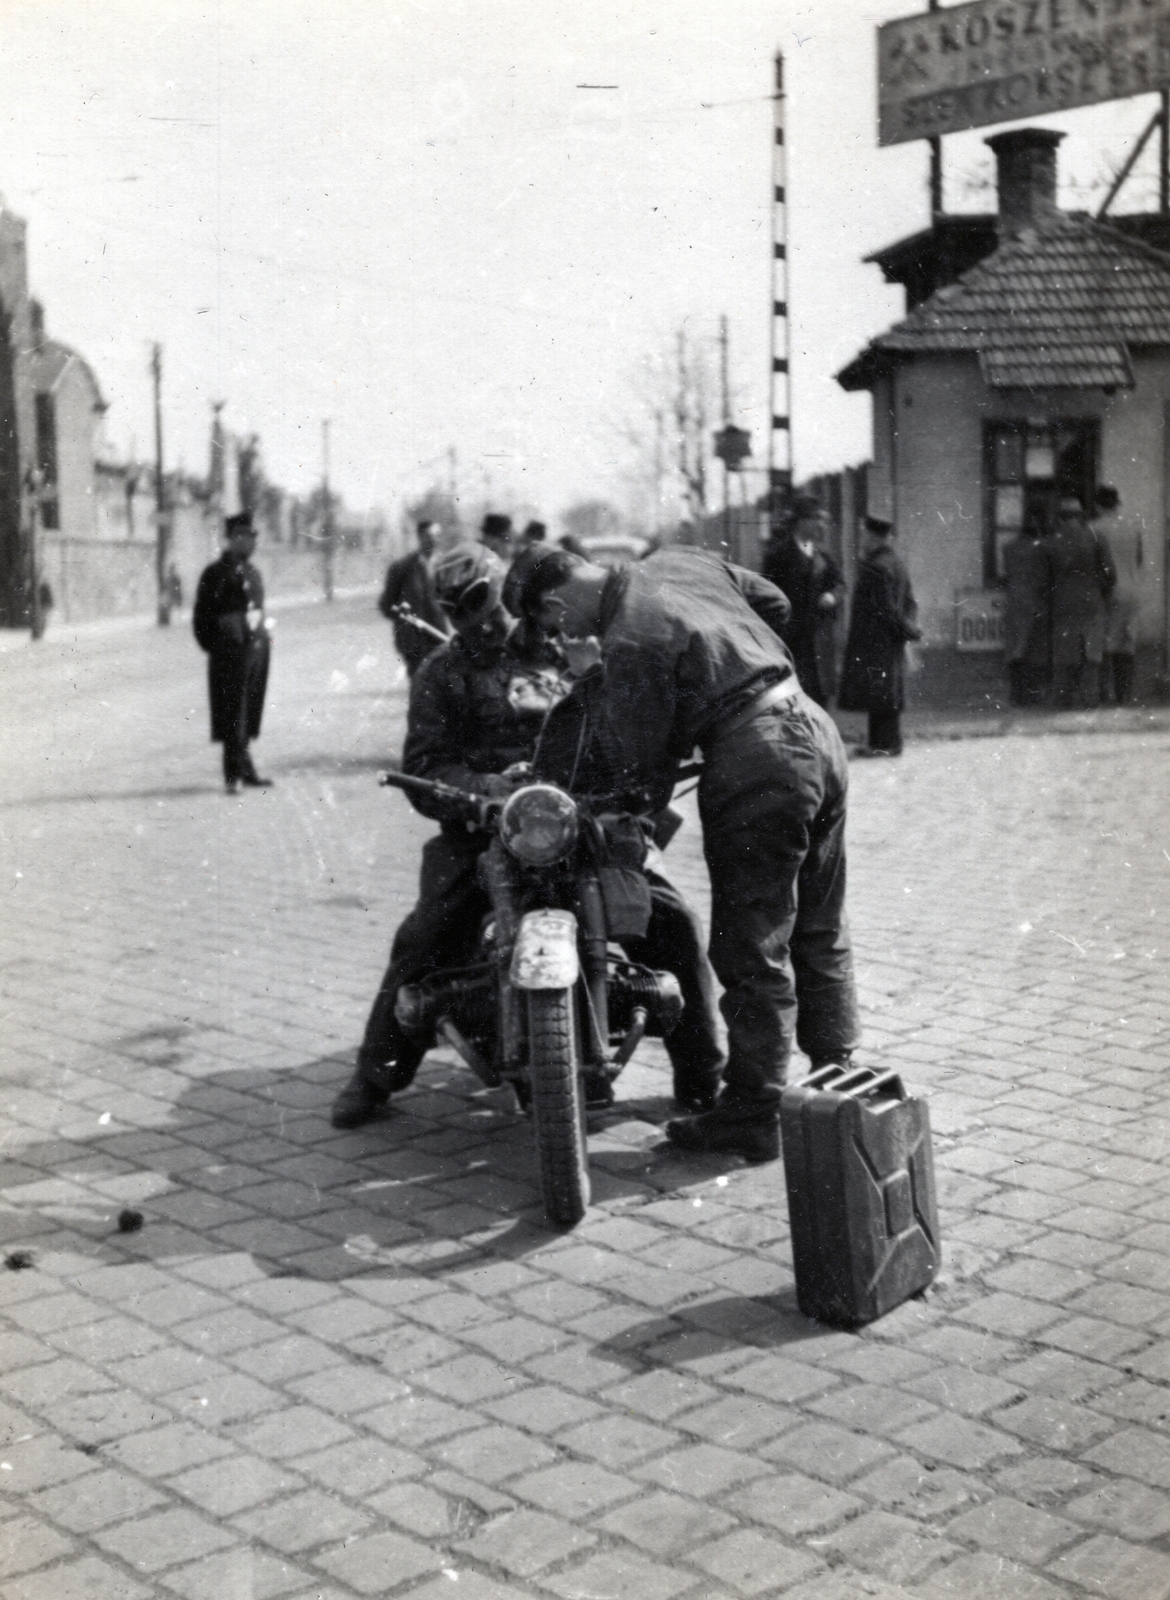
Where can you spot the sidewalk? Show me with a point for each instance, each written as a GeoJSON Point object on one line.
{"type": "Point", "coordinates": [335, 1365]}
{"type": "Point", "coordinates": [1016, 723]}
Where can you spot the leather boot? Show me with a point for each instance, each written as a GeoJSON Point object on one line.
{"type": "Point", "coordinates": [747, 1128]}
{"type": "Point", "coordinates": [370, 1087]}
{"type": "Point", "coordinates": [359, 1102]}
{"type": "Point", "coordinates": [693, 1094]}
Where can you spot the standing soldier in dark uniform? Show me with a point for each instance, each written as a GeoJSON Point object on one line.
{"type": "Point", "coordinates": [1027, 614]}
{"type": "Point", "coordinates": [408, 583]}
{"type": "Point", "coordinates": [883, 620]}
{"type": "Point", "coordinates": [1083, 579]}
{"type": "Point", "coordinates": [801, 568]}
{"type": "Point", "coordinates": [230, 625]}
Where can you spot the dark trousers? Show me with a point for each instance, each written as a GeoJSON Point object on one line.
{"type": "Point", "coordinates": [1028, 682]}
{"type": "Point", "coordinates": [1117, 678]}
{"type": "Point", "coordinates": [237, 763]}
{"type": "Point", "coordinates": [441, 931]}
{"type": "Point", "coordinates": [772, 802]}
{"type": "Point", "coordinates": [1077, 686]}
{"type": "Point", "coordinates": [674, 942]}
{"type": "Point", "coordinates": [885, 731]}
{"type": "Point", "coordinates": [241, 690]}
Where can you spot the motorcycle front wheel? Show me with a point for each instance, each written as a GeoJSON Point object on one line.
{"type": "Point", "coordinates": [558, 1106]}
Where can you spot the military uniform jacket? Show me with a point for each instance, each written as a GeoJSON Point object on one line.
{"type": "Point", "coordinates": [811, 632]}
{"type": "Point", "coordinates": [470, 718]}
{"type": "Point", "coordinates": [1028, 585]}
{"type": "Point", "coordinates": [687, 641]}
{"type": "Point", "coordinates": [408, 582]}
{"type": "Point", "coordinates": [884, 619]}
{"type": "Point", "coordinates": [1083, 578]}
{"type": "Point", "coordinates": [237, 653]}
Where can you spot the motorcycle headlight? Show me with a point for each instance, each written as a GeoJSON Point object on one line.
{"type": "Point", "coordinates": [539, 824]}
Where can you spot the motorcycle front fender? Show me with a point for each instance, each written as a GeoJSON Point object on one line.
{"type": "Point", "coordinates": [545, 952]}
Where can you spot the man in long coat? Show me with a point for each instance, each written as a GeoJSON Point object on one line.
{"type": "Point", "coordinates": [883, 620]}
{"type": "Point", "coordinates": [409, 584]}
{"type": "Point", "coordinates": [798, 564]}
{"type": "Point", "coordinates": [1124, 539]}
{"type": "Point", "coordinates": [229, 624]}
{"type": "Point", "coordinates": [1083, 578]}
{"type": "Point", "coordinates": [1027, 614]}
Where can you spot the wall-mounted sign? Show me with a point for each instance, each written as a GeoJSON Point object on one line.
{"type": "Point", "coordinates": [999, 60]}
{"type": "Point", "coordinates": [979, 619]}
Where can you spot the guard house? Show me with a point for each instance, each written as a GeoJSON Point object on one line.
{"type": "Point", "coordinates": [1034, 361]}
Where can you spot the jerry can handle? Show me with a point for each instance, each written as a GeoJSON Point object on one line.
{"type": "Point", "coordinates": [883, 1080]}
{"type": "Point", "coordinates": [831, 1078]}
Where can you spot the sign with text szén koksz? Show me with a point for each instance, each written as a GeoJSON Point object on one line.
{"type": "Point", "coordinates": [999, 60]}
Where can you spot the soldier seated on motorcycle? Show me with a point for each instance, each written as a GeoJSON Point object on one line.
{"type": "Point", "coordinates": [476, 709]}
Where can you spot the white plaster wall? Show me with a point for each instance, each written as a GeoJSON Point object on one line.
{"type": "Point", "coordinates": [938, 483]}
{"type": "Point", "coordinates": [939, 406]}
{"type": "Point", "coordinates": [1133, 459]}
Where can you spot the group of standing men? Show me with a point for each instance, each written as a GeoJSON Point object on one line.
{"type": "Point", "coordinates": [883, 620]}
{"type": "Point", "coordinates": [1069, 625]}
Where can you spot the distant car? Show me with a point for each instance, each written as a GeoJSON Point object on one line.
{"type": "Point", "coordinates": [611, 548]}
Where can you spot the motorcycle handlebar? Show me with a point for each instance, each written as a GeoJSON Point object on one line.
{"type": "Point", "coordinates": [438, 791]}
{"type": "Point", "coordinates": [484, 807]}
{"type": "Point", "coordinates": [402, 613]}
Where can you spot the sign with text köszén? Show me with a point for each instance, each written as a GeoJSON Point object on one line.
{"type": "Point", "coordinates": [998, 60]}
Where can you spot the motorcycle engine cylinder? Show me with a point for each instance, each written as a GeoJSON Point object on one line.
{"type": "Point", "coordinates": [658, 993]}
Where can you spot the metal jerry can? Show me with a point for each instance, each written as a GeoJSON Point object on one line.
{"type": "Point", "coordinates": [861, 1201]}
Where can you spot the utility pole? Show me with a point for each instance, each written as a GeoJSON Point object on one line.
{"type": "Point", "coordinates": [936, 172]}
{"type": "Point", "coordinates": [162, 525]}
{"type": "Point", "coordinates": [725, 386]}
{"type": "Point", "coordinates": [780, 431]}
{"type": "Point", "coordinates": [327, 528]}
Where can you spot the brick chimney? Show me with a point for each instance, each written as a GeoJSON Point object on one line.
{"type": "Point", "coordinates": [36, 314]}
{"type": "Point", "coordinates": [1025, 178]}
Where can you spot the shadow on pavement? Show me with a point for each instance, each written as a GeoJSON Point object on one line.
{"type": "Point", "coordinates": [245, 1160]}
{"type": "Point", "coordinates": [93, 796]}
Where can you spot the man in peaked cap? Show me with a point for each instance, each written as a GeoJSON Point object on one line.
{"type": "Point", "coordinates": [800, 566]}
{"type": "Point", "coordinates": [1083, 579]}
{"type": "Point", "coordinates": [229, 624]}
{"type": "Point", "coordinates": [497, 533]}
{"type": "Point", "coordinates": [409, 588]}
{"type": "Point", "coordinates": [883, 620]}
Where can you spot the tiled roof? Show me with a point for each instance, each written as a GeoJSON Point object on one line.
{"type": "Point", "coordinates": [1058, 307]}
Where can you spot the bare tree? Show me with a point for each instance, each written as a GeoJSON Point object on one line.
{"type": "Point", "coordinates": [667, 433]}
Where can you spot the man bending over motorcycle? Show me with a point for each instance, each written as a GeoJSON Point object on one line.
{"type": "Point", "coordinates": [476, 710]}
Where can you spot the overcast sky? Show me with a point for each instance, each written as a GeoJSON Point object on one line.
{"type": "Point", "coordinates": [406, 216]}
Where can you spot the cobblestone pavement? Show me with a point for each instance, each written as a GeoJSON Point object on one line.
{"type": "Point", "coordinates": [351, 1364]}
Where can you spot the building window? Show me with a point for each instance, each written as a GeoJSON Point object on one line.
{"type": "Point", "coordinates": [1028, 465]}
{"type": "Point", "coordinates": [46, 417]}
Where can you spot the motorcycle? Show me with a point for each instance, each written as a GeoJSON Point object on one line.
{"type": "Point", "coordinates": [548, 1005]}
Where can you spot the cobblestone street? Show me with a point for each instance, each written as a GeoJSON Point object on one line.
{"type": "Point", "coordinates": [333, 1365]}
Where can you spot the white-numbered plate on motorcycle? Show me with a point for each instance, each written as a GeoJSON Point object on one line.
{"type": "Point", "coordinates": [545, 954]}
